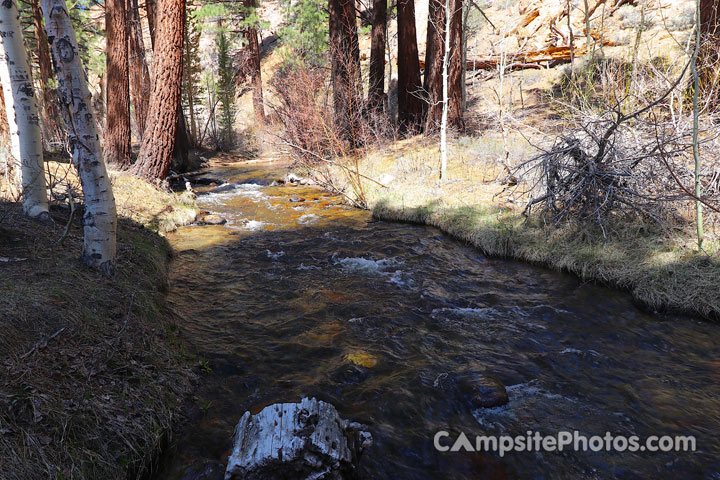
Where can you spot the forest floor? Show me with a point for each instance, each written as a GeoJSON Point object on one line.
{"type": "Point", "coordinates": [660, 267]}
{"type": "Point", "coordinates": [94, 373]}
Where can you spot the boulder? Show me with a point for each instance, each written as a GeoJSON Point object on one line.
{"type": "Point", "coordinates": [205, 218]}
{"type": "Point", "coordinates": [483, 391]}
{"type": "Point", "coordinates": [306, 440]}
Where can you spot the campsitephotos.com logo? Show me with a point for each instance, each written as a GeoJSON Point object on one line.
{"type": "Point", "coordinates": [562, 441]}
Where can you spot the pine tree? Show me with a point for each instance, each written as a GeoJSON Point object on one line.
{"type": "Point", "coordinates": [376, 84]}
{"type": "Point", "coordinates": [117, 121]}
{"type": "Point", "coordinates": [226, 89]}
{"type": "Point", "coordinates": [156, 152]}
{"type": "Point", "coordinates": [410, 104]}
{"type": "Point", "coordinates": [192, 83]}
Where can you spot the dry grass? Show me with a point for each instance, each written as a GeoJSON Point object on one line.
{"type": "Point", "coordinates": [661, 268]}
{"type": "Point", "coordinates": [93, 371]}
{"type": "Point", "coordinates": [158, 209]}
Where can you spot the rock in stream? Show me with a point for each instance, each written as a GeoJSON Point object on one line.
{"type": "Point", "coordinates": [305, 440]}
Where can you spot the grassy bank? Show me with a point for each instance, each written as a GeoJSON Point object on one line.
{"type": "Point", "coordinates": [661, 268]}
{"type": "Point", "coordinates": [92, 375]}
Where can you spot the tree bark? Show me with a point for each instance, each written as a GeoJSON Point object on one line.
{"type": "Point", "coordinates": [140, 82]}
{"type": "Point", "coordinates": [251, 35]}
{"type": "Point", "coordinates": [49, 104]}
{"type": "Point", "coordinates": [158, 143]}
{"type": "Point", "coordinates": [455, 68]}
{"type": "Point", "coordinates": [181, 149]}
{"type": "Point", "coordinates": [117, 119]}
{"type": "Point", "coordinates": [25, 121]}
{"type": "Point", "coordinates": [434, 50]}
{"type": "Point", "coordinates": [345, 71]}
{"type": "Point", "coordinates": [188, 85]}
{"type": "Point", "coordinates": [709, 17]}
{"type": "Point", "coordinates": [99, 220]}
{"type": "Point", "coordinates": [151, 11]}
{"type": "Point", "coordinates": [376, 87]}
{"type": "Point", "coordinates": [434, 54]}
{"type": "Point", "coordinates": [410, 102]}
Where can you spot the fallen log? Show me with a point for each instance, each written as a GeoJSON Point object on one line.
{"type": "Point", "coordinates": [531, 59]}
{"type": "Point", "coordinates": [305, 440]}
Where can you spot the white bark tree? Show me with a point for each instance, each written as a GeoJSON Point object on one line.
{"type": "Point", "coordinates": [22, 113]}
{"type": "Point", "coordinates": [100, 219]}
{"type": "Point", "coordinates": [445, 73]}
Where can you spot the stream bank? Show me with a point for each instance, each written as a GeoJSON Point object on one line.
{"type": "Point", "coordinates": [93, 375]}
{"type": "Point", "coordinates": [662, 269]}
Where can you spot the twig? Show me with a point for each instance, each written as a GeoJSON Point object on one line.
{"type": "Point", "coordinates": [41, 344]}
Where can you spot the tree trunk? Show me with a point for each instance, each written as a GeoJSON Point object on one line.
{"type": "Point", "coordinates": [139, 73]}
{"type": "Point", "coordinates": [158, 143]}
{"type": "Point", "coordinates": [455, 69]}
{"type": "Point", "coordinates": [181, 149]}
{"type": "Point", "coordinates": [709, 16]}
{"type": "Point", "coordinates": [49, 104]}
{"type": "Point", "coordinates": [376, 87]}
{"type": "Point", "coordinates": [410, 102]}
{"type": "Point", "coordinates": [99, 220]}
{"type": "Point", "coordinates": [251, 35]}
{"type": "Point", "coordinates": [117, 120]}
{"type": "Point", "coordinates": [27, 146]}
{"type": "Point", "coordinates": [434, 67]}
{"type": "Point", "coordinates": [151, 10]}
{"type": "Point", "coordinates": [345, 72]}
{"type": "Point", "coordinates": [188, 86]}
{"type": "Point", "coordinates": [434, 51]}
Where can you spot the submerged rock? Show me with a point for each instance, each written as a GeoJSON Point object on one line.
{"type": "Point", "coordinates": [205, 218]}
{"type": "Point", "coordinates": [305, 440]}
{"type": "Point", "coordinates": [483, 391]}
{"type": "Point", "coordinates": [296, 199]}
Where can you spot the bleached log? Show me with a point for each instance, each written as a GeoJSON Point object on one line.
{"type": "Point", "coordinates": [305, 440]}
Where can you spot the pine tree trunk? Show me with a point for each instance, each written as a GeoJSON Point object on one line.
{"type": "Point", "coordinates": [188, 87]}
{"type": "Point", "coordinates": [49, 104]}
{"type": "Point", "coordinates": [345, 71]}
{"type": "Point", "coordinates": [151, 11]}
{"type": "Point", "coordinates": [710, 17]}
{"type": "Point", "coordinates": [181, 149]}
{"type": "Point", "coordinates": [434, 50]}
{"type": "Point", "coordinates": [117, 120]}
{"type": "Point", "coordinates": [99, 220]}
{"type": "Point", "coordinates": [251, 35]}
{"type": "Point", "coordinates": [376, 86]}
{"type": "Point", "coordinates": [434, 66]}
{"type": "Point", "coordinates": [455, 69]}
{"type": "Point", "coordinates": [140, 82]}
{"type": "Point", "coordinates": [27, 146]}
{"type": "Point", "coordinates": [410, 103]}
{"type": "Point", "coordinates": [158, 143]}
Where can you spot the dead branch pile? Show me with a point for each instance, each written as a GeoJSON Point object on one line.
{"type": "Point", "coordinates": [604, 170]}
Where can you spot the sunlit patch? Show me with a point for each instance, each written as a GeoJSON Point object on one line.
{"type": "Point", "coordinates": [362, 358]}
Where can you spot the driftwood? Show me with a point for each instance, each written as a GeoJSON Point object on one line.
{"type": "Point", "coordinates": [306, 440]}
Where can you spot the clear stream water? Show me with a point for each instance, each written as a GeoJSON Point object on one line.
{"type": "Point", "coordinates": [314, 298]}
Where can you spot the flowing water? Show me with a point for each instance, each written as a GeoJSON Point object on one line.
{"type": "Point", "coordinates": [313, 298]}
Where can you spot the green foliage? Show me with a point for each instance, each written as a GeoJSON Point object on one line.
{"type": "Point", "coordinates": [306, 32]}
{"type": "Point", "coordinates": [91, 53]}
{"type": "Point", "coordinates": [193, 86]}
{"type": "Point", "coordinates": [225, 89]}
